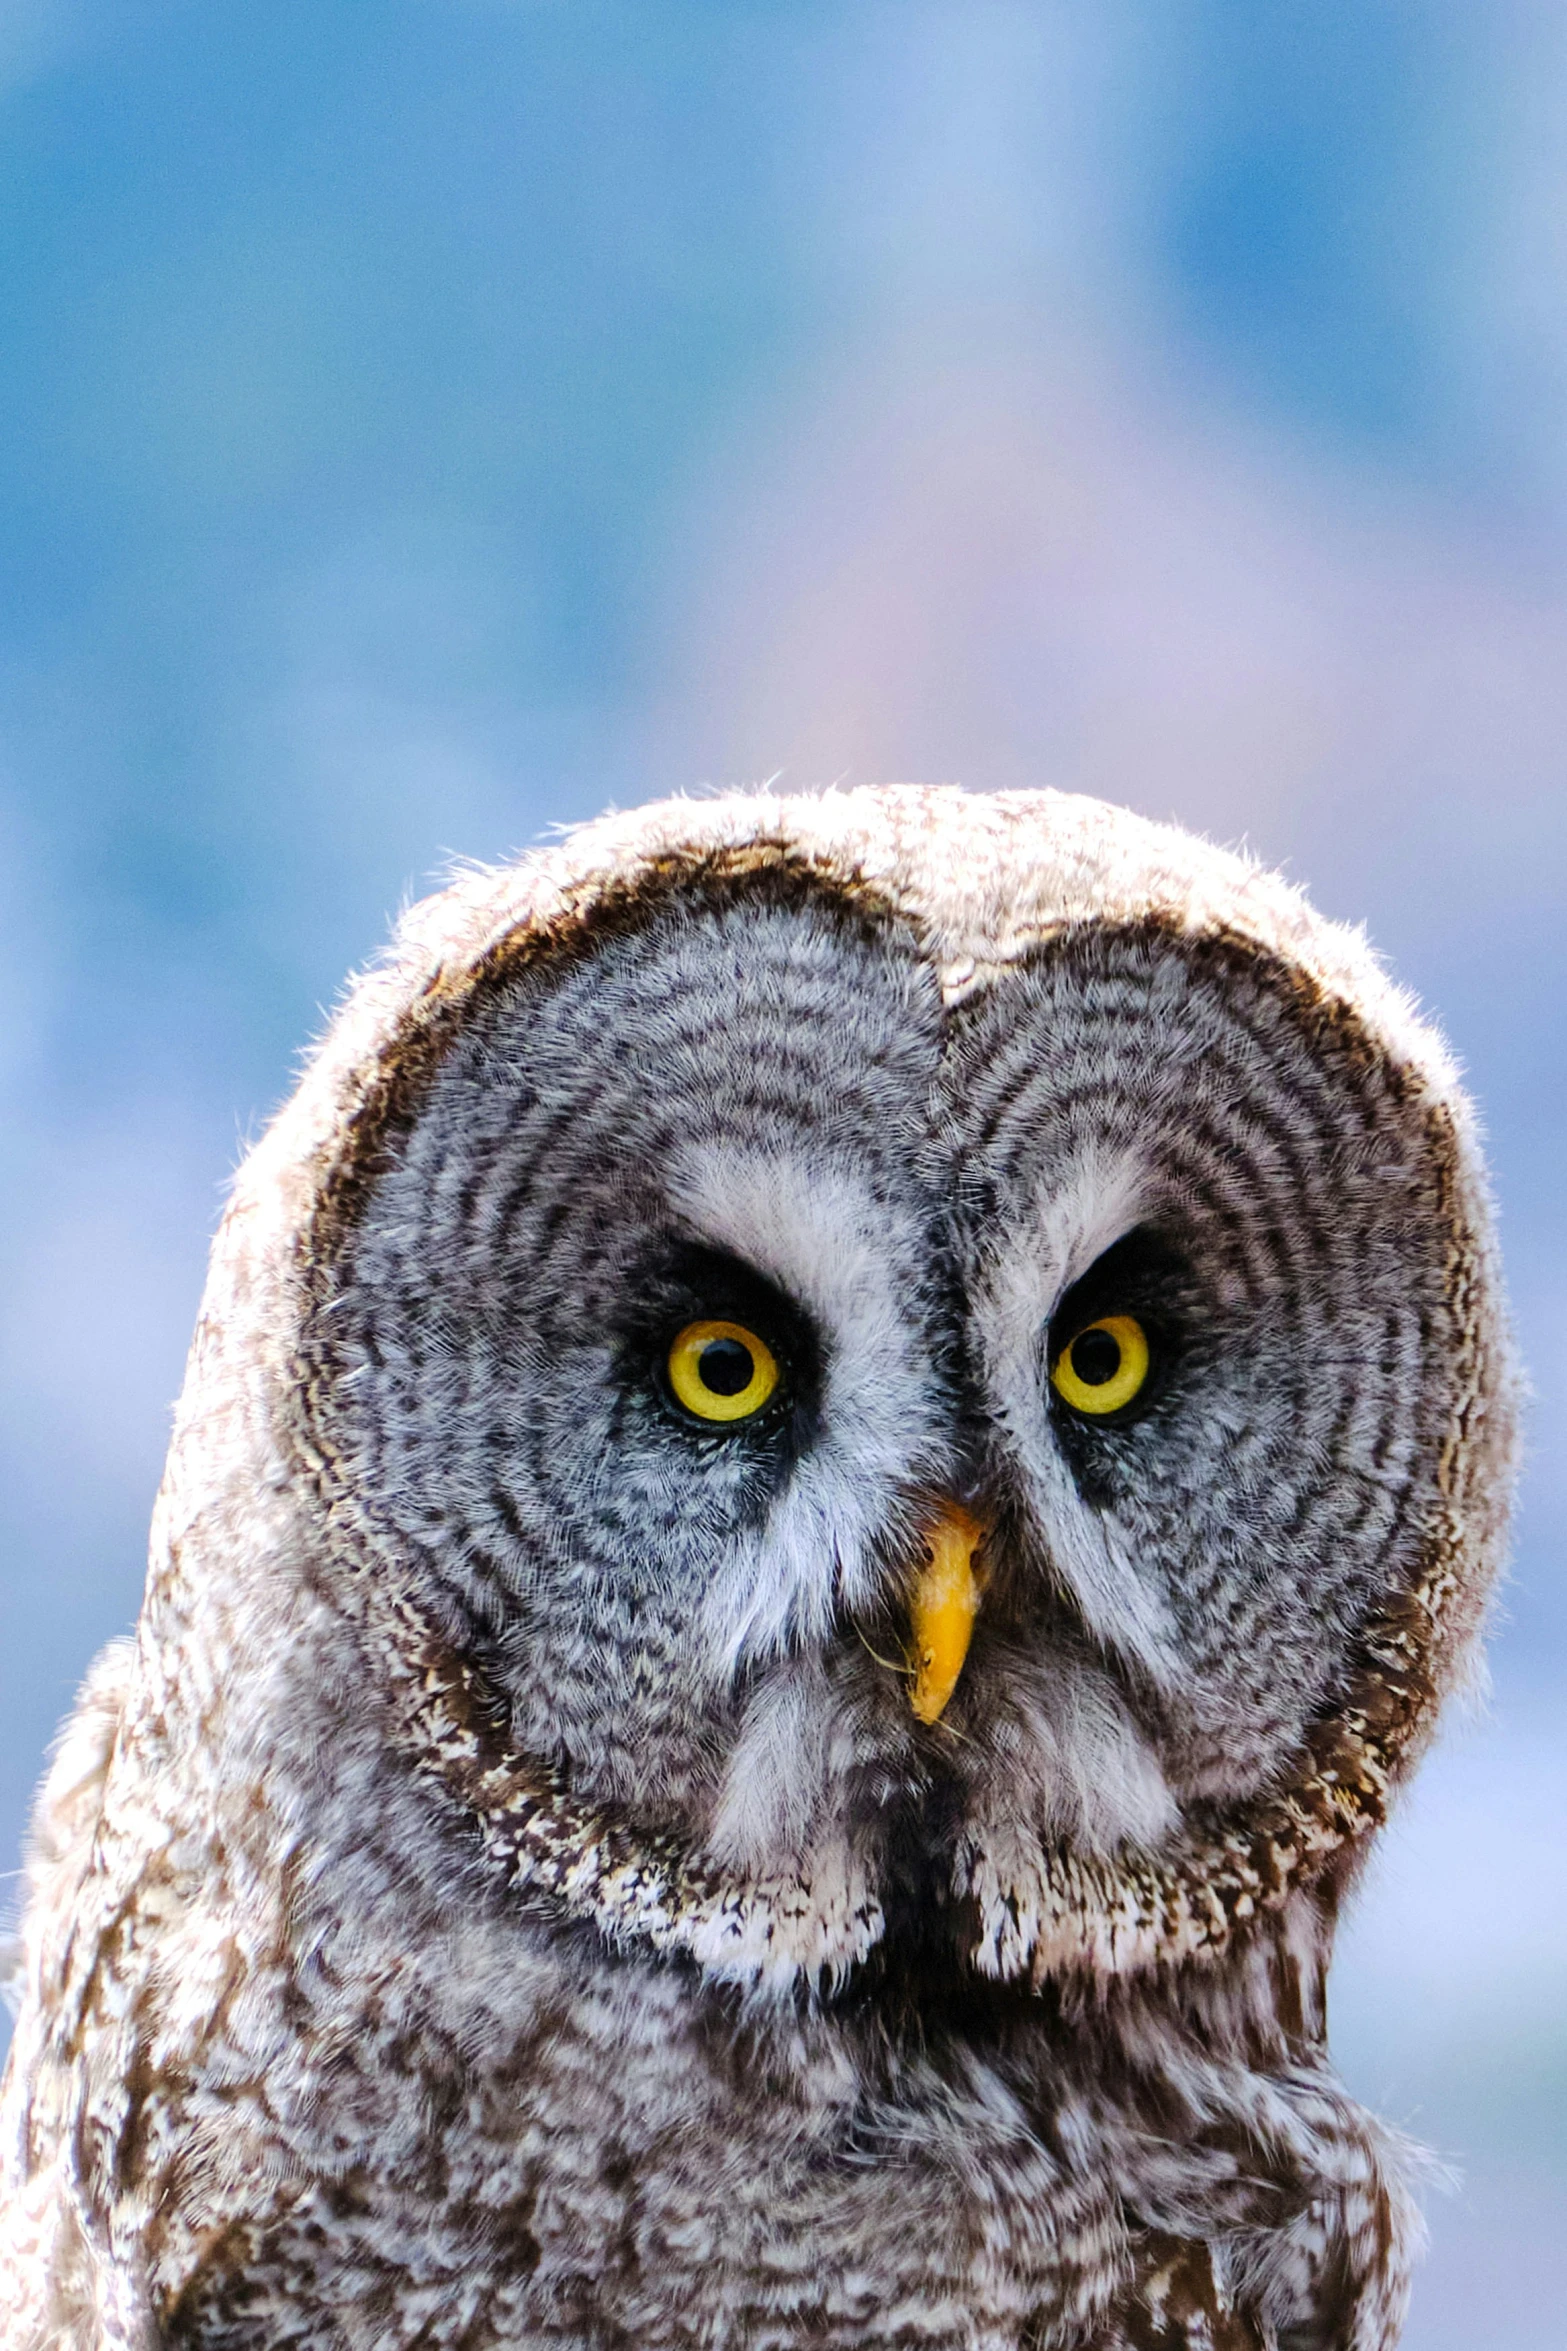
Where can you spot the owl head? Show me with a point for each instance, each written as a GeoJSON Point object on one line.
{"type": "Point", "coordinates": [878, 1365]}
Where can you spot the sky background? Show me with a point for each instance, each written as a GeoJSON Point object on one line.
{"type": "Point", "coordinates": [425, 424]}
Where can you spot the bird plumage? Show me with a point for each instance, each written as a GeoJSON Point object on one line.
{"type": "Point", "coordinates": [504, 1894]}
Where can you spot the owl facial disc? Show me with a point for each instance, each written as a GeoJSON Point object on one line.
{"type": "Point", "coordinates": [695, 1243]}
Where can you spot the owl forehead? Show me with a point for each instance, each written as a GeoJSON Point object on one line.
{"type": "Point", "coordinates": [758, 1077]}
{"type": "Point", "coordinates": [752, 1061]}
{"type": "Point", "coordinates": [1122, 1074]}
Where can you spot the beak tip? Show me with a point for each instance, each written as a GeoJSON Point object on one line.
{"type": "Point", "coordinates": [945, 1601]}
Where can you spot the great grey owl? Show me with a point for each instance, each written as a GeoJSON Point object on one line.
{"type": "Point", "coordinates": [834, 1461]}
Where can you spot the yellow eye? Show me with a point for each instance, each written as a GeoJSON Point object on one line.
{"type": "Point", "coordinates": [721, 1371]}
{"type": "Point", "coordinates": [1103, 1367]}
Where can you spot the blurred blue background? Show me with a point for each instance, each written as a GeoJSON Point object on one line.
{"type": "Point", "coordinates": [423, 424]}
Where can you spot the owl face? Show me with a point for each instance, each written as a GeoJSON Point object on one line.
{"type": "Point", "coordinates": [730, 1254]}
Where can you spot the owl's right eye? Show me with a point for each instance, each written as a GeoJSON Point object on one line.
{"type": "Point", "coordinates": [720, 1371]}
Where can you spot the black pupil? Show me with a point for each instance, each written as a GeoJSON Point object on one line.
{"type": "Point", "coordinates": [725, 1367]}
{"type": "Point", "coordinates": [1096, 1358]}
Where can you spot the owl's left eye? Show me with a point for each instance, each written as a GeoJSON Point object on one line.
{"type": "Point", "coordinates": [1103, 1367]}
{"type": "Point", "coordinates": [721, 1371]}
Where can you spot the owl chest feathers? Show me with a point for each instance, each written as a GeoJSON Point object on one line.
{"type": "Point", "coordinates": [355, 2095]}
{"type": "Point", "coordinates": [513, 2138]}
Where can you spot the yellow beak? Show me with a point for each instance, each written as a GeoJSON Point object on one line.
{"type": "Point", "coordinates": [942, 1612]}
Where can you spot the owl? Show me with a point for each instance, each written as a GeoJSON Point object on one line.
{"type": "Point", "coordinates": [834, 1463]}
